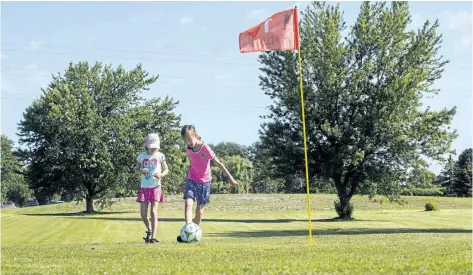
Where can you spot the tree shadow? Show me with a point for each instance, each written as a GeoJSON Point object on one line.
{"type": "Point", "coordinates": [330, 232]}
{"type": "Point", "coordinates": [226, 220]}
{"type": "Point", "coordinates": [75, 214]}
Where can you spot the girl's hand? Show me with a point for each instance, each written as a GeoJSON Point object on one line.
{"type": "Point", "coordinates": [144, 170]}
{"type": "Point", "coordinates": [157, 175]}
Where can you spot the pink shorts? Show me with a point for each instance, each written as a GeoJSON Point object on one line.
{"type": "Point", "coordinates": [150, 195]}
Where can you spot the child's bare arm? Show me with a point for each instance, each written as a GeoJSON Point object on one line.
{"type": "Point", "coordinates": [164, 170]}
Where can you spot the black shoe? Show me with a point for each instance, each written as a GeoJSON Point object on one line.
{"type": "Point", "coordinates": [154, 241]}
{"type": "Point", "coordinates": [148, 236]}
{"type": "Point", "coordinates": [179, 239]}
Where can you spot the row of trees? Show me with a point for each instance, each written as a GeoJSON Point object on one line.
{"type": "Point", "coordinates": [249, 167]}
{"type": "Point", "coordinates": [367, 131]}
{"type": "Point", "coordinates": [456, 177]}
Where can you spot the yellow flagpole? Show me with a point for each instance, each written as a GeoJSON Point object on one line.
{"type": "Point", "coordinates": [305, 144]}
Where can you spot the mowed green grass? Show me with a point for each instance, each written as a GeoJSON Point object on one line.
{"type": "Point", "coordinates": [243, 234]}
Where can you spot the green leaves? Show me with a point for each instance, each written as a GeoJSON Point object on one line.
{"type": "Point", "coordinates": [14, 187]}
{"type": "Point", "coordinates": [363, 98]}
{"type": "Point", "coordinates": [456, 176]}
{"type": "Point", "coordinates": [463, 174]}
{"type": "Point", "coordinates": [86, 130]}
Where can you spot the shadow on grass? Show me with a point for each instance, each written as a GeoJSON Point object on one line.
{"type": "Point", "coordinates": [328, 232]}
{"type": "Point", "coordinates": [225, 220]}
{"type": "Point", "coordinates": [75, 214]}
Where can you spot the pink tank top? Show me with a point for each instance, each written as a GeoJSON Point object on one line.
{"type": "Point", "coordinates": [200, 164]}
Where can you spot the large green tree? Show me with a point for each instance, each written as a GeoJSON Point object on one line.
{"type": "Point", "coordinates": [14, 186]}
{"type": "Point", "coordinates": [445, 178]}
{"type": "Point", "coordinates": [225, 149]}
{"type": "Point", "coordinates": [265, 179]}
{"type": "Point", "coordinates": [363, 96]}
{"type": "Point", "coordinates": [461, 184]}
{"type": "Point", "coordinates": [84, 133]}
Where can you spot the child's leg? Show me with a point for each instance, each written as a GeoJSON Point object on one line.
{"type": "Point", "coordinates": [154, 219]}
{"type": "Point", "coordinates": [144, 214]}
{"type": "Point", "coordinates": [202, 198]}
{"type": "Point", "coordinates": [189, 197]}
{"type": "Point", "coordinates": [199, 213]}
{"type": "Point", "coordinates": [188, 210]}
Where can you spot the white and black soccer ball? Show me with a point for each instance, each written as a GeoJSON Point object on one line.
{"type": "Point", "coordinates": [191, 233]}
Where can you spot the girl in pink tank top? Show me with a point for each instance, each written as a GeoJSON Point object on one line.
{"type": "Point", "coordinates": [199, 177]}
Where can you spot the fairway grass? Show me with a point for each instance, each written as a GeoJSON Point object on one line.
{"type": "Point", "coordinates": [243, 234]}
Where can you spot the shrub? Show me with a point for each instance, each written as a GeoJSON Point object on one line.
{"type": "Point", "coordinates": [431, 206]}
{"type": "Point", "coordinates": [430, 192]}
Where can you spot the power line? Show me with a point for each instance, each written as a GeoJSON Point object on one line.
{"type": "Point", "coordinates": [133, 58]}
{"type": "Point", "coordinates": [200, 107]}
{"type": "Point", "coordinates": [207, 55]}
{"type": "Point", "coordinates": [160, 76]}
{"type": "Point", "coordinates": [156, 83]}
{"type": "Point", "coordinates": [197, 85]}
{"type": "Point", "coordinates": [121, 50]}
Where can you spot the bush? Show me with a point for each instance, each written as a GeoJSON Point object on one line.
{"type": "Point", "coordinates": [338, 208]}
{"type": "Point", "coordinates": [219, 187]}
{"type": "Point", "coordinates": [431, 206]}
{"type": "Point", "coordinates": [430, 192]}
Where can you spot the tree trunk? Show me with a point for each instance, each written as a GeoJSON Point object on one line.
{"type": "Point", "coordinates": [344, 209]}
{"type": "Point", "coordinates": [89, 205]}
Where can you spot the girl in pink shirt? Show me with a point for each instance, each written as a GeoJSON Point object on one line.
{"type": "Point", "coordinates": [199, 177]}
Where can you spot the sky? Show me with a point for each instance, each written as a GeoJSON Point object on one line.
{"type": "Point", "coordinates": [193, 46]}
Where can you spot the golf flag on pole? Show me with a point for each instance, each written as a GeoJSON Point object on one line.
{"type": "Point", "coordinates": [280, 32]}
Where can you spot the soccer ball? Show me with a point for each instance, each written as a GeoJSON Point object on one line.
{"type": "Point", "coordinates": [191, 233]}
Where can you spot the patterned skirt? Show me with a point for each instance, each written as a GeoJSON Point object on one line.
{"type": "Point", "coordinates": [148, 195]}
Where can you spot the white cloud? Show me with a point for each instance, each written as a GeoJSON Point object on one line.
{"type": "Point", "coordinates": [301, 5]}
{"type": "Point", "coordinates": [187, 20]}
{"type": "Point", "coordinates": [34, 45]}
{"type": "Point", "coordinates": [258, 14]}
{"type": "Point", "coordinates": [466, 40]}
{"type": "Point", "coordinates": [456, 20]}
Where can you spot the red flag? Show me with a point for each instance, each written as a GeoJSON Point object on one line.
{"type": "Point", "coordinates": [280, 32]}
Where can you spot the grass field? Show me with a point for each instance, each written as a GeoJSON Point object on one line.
{"type": "Point", "coordinates": [243, 234]}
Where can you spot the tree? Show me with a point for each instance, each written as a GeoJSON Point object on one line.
{"type": "Point", "coordinates": [14, 187]}
{"type": "Point", "coordinates": [264, 180]}
{"type": "Point", "coordinates": [420, 178]}
{"type": "Point", "coordinates": [445, 178]}
{"type": "Point", "coordinates": [167, 124]}
{"type": "Point", "coordinates": [363, 94]}
{"type": "Point", "coordinates": [224, 149]}
{"type": "Point", "coordinates": [462, 174]}
{"type": "Point", "coordinates": [241, 170]}
{"type": "Point", "coordinates": [84, 133]}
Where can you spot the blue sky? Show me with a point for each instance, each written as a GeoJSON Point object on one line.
{"type": "Point", "coordinates": [196, 54]}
